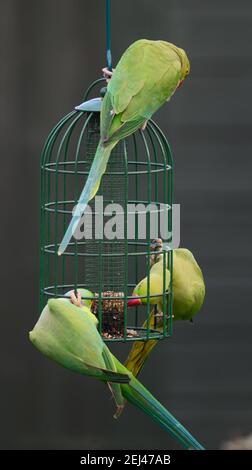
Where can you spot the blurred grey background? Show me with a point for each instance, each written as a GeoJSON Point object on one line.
{"type": "Point", "coordinates": [50, 52]}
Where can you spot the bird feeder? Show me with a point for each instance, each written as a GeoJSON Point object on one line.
{"type": "Point", "coordinates": [139, 175]}
{"type": "Point", "coordinates": [110, 251]}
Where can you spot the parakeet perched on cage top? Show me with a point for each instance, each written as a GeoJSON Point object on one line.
{"type": "Point", "coordinates": [147, 75]}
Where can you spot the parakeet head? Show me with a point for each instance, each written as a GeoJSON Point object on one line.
{"type": "Point", "coordinates": [185, 64]}
{"type": "Point", "coordinates": [185, 69]}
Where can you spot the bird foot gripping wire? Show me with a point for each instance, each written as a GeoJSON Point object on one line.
{"type": "Point", "coordinates": [75, 298]}
{"type": "Point", "coordinates": [107, 74]}
{"type": "Point", "coordinates": [157, 247]}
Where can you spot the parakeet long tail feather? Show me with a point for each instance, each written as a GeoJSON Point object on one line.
{"type": "Point", "coordinates": [141, 350]}
{"type": "Point", "coordinates": [138, 395]}
{"type": "Point", "coordinates": [90, 189]}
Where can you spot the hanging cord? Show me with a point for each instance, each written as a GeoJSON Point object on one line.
{"type": "Point", "coordinates": [108, 35]}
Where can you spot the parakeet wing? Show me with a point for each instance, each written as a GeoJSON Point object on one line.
{"type": "Point", "coordinates": [110, 375]}
{"type": "Point", "coordinates": [112, 128]}
{"type": "Point", "coordinates": [115, 385]}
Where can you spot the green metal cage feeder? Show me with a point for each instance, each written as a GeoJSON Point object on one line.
{"type": "Point", "coordinates": [140, 171]}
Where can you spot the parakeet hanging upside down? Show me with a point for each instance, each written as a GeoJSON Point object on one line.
{"type": "Point", "coordinates": [68, 335]}
{"type": "Point", "coordinates": [188, 298]}
{"type": "Point", "coordinates": [147, 75]}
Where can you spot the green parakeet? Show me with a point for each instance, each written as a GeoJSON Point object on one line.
{"type": "Point", "coordinates": [67, 334]}
{"type": "Point", "coordinates": [188, 297]}
{"type": "Point", "coordinates": [147, 75]}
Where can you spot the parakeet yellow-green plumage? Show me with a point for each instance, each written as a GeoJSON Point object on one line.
{"type": "Point", "coordinates": [68, 335]}
{"type": "Point", "coordinates": [188, 297]}
{"type": "Point", "coordinates": [188, 285]}
{"type": "Point", "coordinates": [147, 75]}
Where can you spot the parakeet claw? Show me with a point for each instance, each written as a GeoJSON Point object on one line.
{"type": "Point", "coordinates": [159, 315]}
{"type": "Point", "coordinates": [118, 412]}
{"type": "Point", "coordinates": [156, 245]}
{"type": "Point", "coordinates": [76, 300]}
{"type": "Point", "coordinates": [145, 125]}
{"type": "Point", "coordinates": [107, 73]}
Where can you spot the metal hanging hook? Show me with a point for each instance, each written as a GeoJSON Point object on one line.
{"type": "Point", "coordinates": [108, 35]}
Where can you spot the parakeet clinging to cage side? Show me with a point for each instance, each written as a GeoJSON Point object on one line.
{"type": "Point", "coordinates": [68, 335]}
{"type": "Point", "coordinates": [147, 75]}
{"type": "Point", "coordinates": [188, 298]}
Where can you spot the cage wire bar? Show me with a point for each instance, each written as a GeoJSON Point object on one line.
{"type": "Point", "coordinates": [140, 171]}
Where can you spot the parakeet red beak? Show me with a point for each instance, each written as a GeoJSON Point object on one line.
{"type": "Point", "coordinates": [134, 302]}
{"type": "Point", "coordinates": [180, 83]}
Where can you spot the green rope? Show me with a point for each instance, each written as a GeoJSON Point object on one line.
{"type": "Point", "coordinates": [108, 35]}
